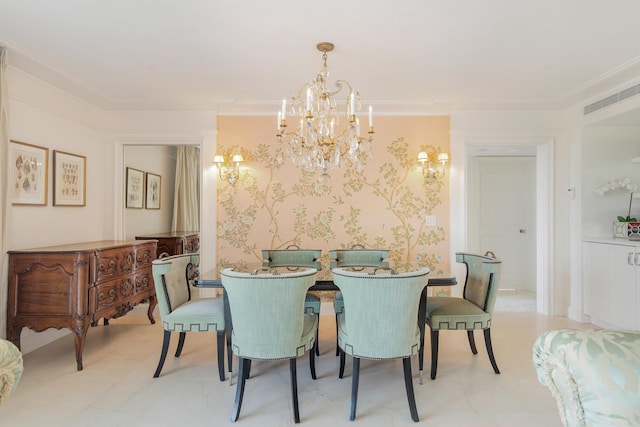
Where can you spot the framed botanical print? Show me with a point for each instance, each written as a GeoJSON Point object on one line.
{"type": "Point", "coordinates": [28, 175]}
{"type": "Point", "coordinates": [69, 179]}
{"type": "Point", "coordinates": [153, 191]}
{"type": "Point", "coordinates": [135, 188]}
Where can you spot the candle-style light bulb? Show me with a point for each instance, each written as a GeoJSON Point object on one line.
{"type": "Point", "coordinates": [284, 109]}
{"type": "Point", "coordinates": [370, 116]}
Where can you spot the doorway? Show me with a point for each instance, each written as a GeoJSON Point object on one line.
{"type": "Point", "coordinates": [504, 213]}
{"type": "Point", "coordinates": [522, 174]}
{"type": "Point", "coordinates": [502, 218]}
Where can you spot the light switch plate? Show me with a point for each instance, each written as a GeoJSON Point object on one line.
{"type": "Point", "coordinates": [430, 220]}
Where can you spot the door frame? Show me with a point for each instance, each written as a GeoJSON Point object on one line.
{"type": "Point", "coordinates": [206, 142]}
{"type": "Point", "coordinates": [543, 147]}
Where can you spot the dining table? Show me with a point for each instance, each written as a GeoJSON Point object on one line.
{"type": "Point", "coordinates": [211, 279]}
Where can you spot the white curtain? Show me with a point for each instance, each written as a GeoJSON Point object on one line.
{"type": "Point", "coordinates": [4, 184]}
{"type": "Point", "coordinates": [186, 197]}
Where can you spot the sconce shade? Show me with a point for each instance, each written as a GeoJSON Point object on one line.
{"type": "Point", "coordinates": [217, 159]}
{"type": "Point", "coordinates": [443, 157]}
{"type": "Point", "coordinates": [237, 158]}
{"type": "Point", "coordinates": [423, 157]}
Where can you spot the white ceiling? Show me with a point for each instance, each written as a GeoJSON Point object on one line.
{"type": "Point", "coordinates": [406, 56]}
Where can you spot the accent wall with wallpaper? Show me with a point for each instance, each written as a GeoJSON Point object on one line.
{"type": "Point", "coordinates": [275, 204]}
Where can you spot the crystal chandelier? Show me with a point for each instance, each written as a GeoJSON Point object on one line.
{"type": "Point", "coordinates": [318, 141]}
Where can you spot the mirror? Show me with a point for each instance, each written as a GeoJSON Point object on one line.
{"type": "Point", "coordinates": [159, 160]}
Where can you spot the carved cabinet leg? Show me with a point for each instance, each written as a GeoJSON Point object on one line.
{"type": "Point", "coordinates": [79, 335]}
{"type": "Point", "coordinates": [14, 335]}
{"type": "Point", "coordinates": [152, 305]}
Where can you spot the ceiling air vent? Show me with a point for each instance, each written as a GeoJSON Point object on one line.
{"type": "Point", "coordinates": [612, 99]}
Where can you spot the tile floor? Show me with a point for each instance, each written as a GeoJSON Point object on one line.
{"type": "Point", "coordinates": [116, 387]}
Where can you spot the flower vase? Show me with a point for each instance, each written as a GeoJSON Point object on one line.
{"type": "Point", "coordinates": [620, 230]}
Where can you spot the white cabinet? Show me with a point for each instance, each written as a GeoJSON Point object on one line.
{"type": "Point", "coordinates": [611, 283]}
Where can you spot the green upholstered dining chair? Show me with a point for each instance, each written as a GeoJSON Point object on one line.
{"type": "Point", "coordinates": [356, 257]}
{"type": "Point", "coordinates": [269, 322]}
{"type": "Point", "coordinates": [294, 258]}
{"type": "Point", "coordinates": [380, 321]}
{"type": "Point", "coordinates": [472, 311]}
{"type": "Point", "coordinates": [182, 313]}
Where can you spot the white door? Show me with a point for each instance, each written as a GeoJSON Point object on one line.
{"type": "Point", "coordinates": [506, 197]}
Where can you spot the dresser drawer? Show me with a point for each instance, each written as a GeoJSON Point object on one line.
{"type": "Point", "coordinates": [111, 263]}
{"type": "Point", "coordinates": [145, 254]}
{"type": "Point", "coordinates": [192, 244]}
{"type": "Point", "coordinates": [143, 282]}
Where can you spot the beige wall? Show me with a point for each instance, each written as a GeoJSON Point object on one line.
{"type": "Point", "coordinates": [275, 205]}
{"type": "Point", "coordinates": [159, 160]}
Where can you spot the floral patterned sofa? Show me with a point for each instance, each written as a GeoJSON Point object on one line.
{"type": "Point", "coordinates": [594, 375]}
{"type": "Point", "coordinates": [10, 369]}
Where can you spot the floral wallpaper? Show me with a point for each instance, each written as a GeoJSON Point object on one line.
{"type": "Point", "coordinates": [275, 205]}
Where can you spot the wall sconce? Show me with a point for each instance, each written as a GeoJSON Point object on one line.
{"type": "Point", "coordinates": [430, 171]}
{"type": "Point", "coordinates": [228, 172]}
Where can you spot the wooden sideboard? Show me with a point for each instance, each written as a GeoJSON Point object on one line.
{"type": "Point", "coordinates": [175, 242]}
{"type": "Point", "coordinates": [73, 286]}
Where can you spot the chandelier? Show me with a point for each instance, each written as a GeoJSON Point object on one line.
{"type": "Point", "coordinates": [319, 141]}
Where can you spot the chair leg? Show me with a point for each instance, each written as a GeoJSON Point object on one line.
{"type": "Point", "coordinates": [434, 353]}
{"type": "Point", "coordinates": [294, 389]}
{"type": "Point", "coordinates": [408, 383]}
{"type": "Point", "coordinates": [220, 346]}
{"type": "Point", "coordinates": [229, 354]}
{"type": "Point", "coordinates": [242, 362]}
{"type": "Point", "coordinates": [337, 347]}
{"type": "Point", "coordinates": [312, 360]}
{"type": "Point", "coordinates": [421, 352]}
{"type": "Point", "coordinates": [317, 345]}
{"type": "Point", "coordinates": [163, 353]}
{"type": "Point", "coordinates": [487, 342]}
{"type": "Point", "coordinates": [342, 357]}
{"type": "Point", "coordinates": [183, 335]}
{"type": "Point", "coordinates": [355, 379]}
{"type": "Point", "coordinates": [472, 342]}
{"type": "Point", "coordinates": [247, 369]}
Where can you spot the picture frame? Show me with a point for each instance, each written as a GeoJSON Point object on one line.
{"type": "Point", "coordinates": [29, 174]}
{"type": "Point", "coordinates": [135, 188]}
{"type": "Point", "coordinates": [69, 179]}
{"type": "Point", "coordinates": [153, 191]}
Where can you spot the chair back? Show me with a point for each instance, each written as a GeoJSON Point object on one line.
{"type": "Point", "coordinates": [359, 257]}
{"type": "Point", "coordinates": [172, 276]}
{"type": "Point", "coordinates": [267, 311]}
{"type": "Point", "coordinates": [303, 258]}
{"type": "Point", "coordinates": [481, 282]}
{"type": "Point", "coordinates": [381, 312]}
